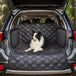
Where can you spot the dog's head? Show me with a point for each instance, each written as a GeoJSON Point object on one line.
{"type": "Point", "coordinates": [36, 36]}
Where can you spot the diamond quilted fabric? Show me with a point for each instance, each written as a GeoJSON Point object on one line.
{"type": "Point", "coordinates": [53, 57]}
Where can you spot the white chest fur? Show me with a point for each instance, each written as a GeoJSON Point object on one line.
{"type": "Point", "coordinates": [37, 44]}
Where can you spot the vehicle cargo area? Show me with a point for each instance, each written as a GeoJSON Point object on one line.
{"type": "Point", "coordinates": [53, 56]}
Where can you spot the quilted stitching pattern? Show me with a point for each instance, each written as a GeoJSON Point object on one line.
{"type": "Point", "coordinates": [48, 30]}
{"type": "Point", "coordinates": [52, 58]}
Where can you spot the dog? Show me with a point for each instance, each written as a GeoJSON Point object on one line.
{"type": "Point", "coordinates": [36, 43]}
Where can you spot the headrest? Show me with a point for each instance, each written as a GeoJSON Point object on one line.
{"type": "Point", "coordinates": [36, 20]}
{"type": "Point", "coordinates": [27, 21]}
{"type": "Point", "coordinates": [48, 20]}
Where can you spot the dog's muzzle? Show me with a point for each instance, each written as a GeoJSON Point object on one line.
{"type": "Point", "coordinates": [34, 39]}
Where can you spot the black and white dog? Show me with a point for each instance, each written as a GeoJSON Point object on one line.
{"type": "Point", "coordinates": [36, 43]}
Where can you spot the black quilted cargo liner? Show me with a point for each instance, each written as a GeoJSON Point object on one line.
{"type": "Point", "coordinates": [51, 58]}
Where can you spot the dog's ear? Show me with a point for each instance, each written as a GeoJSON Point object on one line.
{"type": "Point", "coordinates": [33, 32]}
{"type": "Point", "coordinates": [39, 33]}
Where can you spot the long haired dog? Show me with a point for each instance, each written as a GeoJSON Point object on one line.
{"type": "Point", "coordinates": [36, 43]}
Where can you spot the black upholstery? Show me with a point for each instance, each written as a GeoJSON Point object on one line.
{"type": "Point", "coordinates": [51, 58]}
{"type": "Point", "coordinates": [23, 33]}
{"type": "Point", "coordinates": [14, 38]}
{"type": "Point", "coordinates": [61, 37]}
{"type": "Point", "coordinates": [47, 30]}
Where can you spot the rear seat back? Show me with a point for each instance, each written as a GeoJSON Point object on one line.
{"type": "Point", "coordinates": [48, 30]}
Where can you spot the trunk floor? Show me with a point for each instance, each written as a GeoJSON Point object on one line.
{"type": "Point", "coordinates": [51, 58]}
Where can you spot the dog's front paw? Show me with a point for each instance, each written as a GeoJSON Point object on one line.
{"type": "Point", "coordinates": [40, 49]}
{"type": "Point", "coordinates": [26, 50]}
{"type": "Point", "coordinates": [35, 51]}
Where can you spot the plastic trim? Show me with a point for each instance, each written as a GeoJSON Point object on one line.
{"type": "Point", "coordinates": [3, 54]}
{"type": "Point", "coordinates": [74, 68]}
{"type": "Point", "coordinates": [38, 72]}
